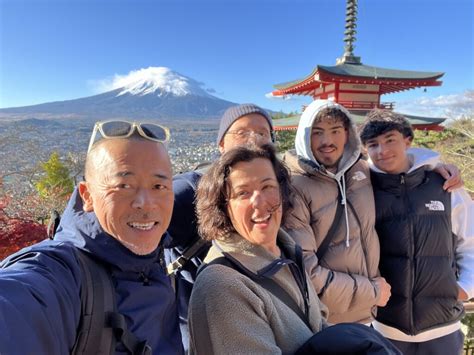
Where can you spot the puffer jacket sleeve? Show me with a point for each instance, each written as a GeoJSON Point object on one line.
{"type": "Point", "coordinates": [39, 301]}
{"type": "Point", "coordinates": [337, 290]}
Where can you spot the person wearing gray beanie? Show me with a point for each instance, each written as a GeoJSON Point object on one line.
{"type": "Point", "coordinates": [234, 113]}
{"type": "Point", "coordinates": [239, 125]}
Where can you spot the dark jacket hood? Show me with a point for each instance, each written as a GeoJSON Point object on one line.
{"type": "Point", "coordinates": [84, 231]}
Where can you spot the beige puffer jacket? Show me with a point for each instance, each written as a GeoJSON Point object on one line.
{"type": "Point", "coordinates": [343, 277]}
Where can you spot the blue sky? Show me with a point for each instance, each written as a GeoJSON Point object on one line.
{"type": "Point", "coordinates": [59, 49]}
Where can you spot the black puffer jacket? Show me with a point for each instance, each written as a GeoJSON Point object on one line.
{"type": "Point", "coordinates": [417, 251]}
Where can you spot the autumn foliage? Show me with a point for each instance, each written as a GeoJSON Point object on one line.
{"type": "Point", "coordinates": [17, 233]}
{"type": "Point", "coordinates": [23, 214]}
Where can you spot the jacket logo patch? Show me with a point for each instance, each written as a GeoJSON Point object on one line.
{"type": "Point", "coordinates": [359, 176]}
{"type": "Point", "coordinates": [435, 206]}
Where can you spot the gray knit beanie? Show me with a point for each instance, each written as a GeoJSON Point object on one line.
{"type": "Point", "coordinates": [233, 113]}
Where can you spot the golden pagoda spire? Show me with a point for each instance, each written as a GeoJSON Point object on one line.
{"type": "Point", "coordinates": [350, 34]}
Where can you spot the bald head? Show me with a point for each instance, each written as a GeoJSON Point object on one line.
{"type": "Point", "coordinates": [93, 158]}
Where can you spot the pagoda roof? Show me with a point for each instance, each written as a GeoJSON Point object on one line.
{"type": "Point", "coordinates": [367, 71]}
{"type": "Point", "coordinates": [391, 80]}
{"type": "Point", "coordinates": [420, 122]}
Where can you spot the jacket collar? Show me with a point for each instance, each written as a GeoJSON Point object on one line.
{"type": "Point", "coordinates": [397, 182]}
{"type": "Point", "coordinates": [255, 258]}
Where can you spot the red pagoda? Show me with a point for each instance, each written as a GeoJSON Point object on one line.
{"type": "Point", "coordinates": [357, 86]}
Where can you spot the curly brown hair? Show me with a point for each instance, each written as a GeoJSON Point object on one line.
{"type": "Point", "coordinates": [212, 193]}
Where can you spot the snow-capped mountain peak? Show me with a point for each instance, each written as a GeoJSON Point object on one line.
{"type": "Point", "coordinates": [151, 93]}
{"type": "Point", "coordinates": [159, 81]}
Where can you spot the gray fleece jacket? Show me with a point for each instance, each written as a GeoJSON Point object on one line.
{"type": "Point", "coordinates": [231, 314]}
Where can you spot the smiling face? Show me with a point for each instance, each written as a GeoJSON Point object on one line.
{"type": "Point", "coordinates": [254, 203]}
{"type": "Point", "coordinates": [129, 188]}
{"type": "Point", "coordinates": [388, 152]}
{"type": "Point", "coordinates": [328, 138]}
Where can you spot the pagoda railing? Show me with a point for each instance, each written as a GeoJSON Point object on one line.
{"type": "Point", "coordinates": [387, 105]}
{"type": "Point", "coordinates": [363, 105]}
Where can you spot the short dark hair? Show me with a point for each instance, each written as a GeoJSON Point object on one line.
{"type": "Point", "coordinates": [212, 193]}
{"type": "Point", "coordinates": [380, 121]}
{"type": "Point", "coordinates": [333, 114]}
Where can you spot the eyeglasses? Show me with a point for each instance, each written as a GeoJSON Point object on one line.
{"type": "Point", "coordinates": [124, 129]}
{"type": "Point", "coordinates": [244, 134]}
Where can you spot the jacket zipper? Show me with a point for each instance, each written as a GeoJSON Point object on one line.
{"type": "Point", "coordinates": [302, 283]}
{"type": "Point", "coordinates": [411, 253]}
{"type": "Point", "coordinates": [305, 294]}
{"type": "Point", "coordinates": [144, 278]}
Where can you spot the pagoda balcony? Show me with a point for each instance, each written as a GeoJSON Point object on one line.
{"type": "Point", "coordinates": [364, 105]}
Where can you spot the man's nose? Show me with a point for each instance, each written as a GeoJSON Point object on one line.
{"type": "Point", "coordinates": [254, 138]}
{"type": "Point", "coordinates": [143, 199]}
{"type": "Point", "coordinates": [381, 149]}
{"type": "Point", "coordinates": [326, 139]}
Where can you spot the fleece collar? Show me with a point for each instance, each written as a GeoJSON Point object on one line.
{"type": "Point", "coordinates": [254, 257]}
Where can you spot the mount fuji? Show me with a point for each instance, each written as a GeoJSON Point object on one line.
{"type": "Point", "coordinates": [154, 92]}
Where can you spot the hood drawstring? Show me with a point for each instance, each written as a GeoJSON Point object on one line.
{"type": "Point", "coordinates": [342, 188]}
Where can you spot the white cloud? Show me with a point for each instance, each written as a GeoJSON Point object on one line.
{"type": "Point", "coordinates": [450, 106]}
{"type": "Point", "coordinates": [280, 97]}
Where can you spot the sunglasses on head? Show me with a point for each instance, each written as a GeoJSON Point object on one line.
{"type": "Point", "coordinates": [124, 129]}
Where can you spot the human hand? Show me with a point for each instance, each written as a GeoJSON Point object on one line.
{"type": "Point", "coordinates": [462, 295]}
{"type": "Point", "coordinates": [384, 291]}
{"type": "Point", "coordinates": [451, 174]}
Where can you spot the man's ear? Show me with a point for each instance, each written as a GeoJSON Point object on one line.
{"type": "Point", "coordinates": [221, 146]}
{"type": "Point", "coordinates": [86, 197]}
{"type": "Point", "coordinates": [408, 142]}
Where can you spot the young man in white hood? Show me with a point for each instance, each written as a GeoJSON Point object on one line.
{"type": "Point", "coordinates": [426, 241]}
{"type": "Point", "coordinates": [334, 215]}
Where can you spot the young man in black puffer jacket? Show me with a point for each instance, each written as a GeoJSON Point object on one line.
{"type": "Point", "coordinates": [426, 241]}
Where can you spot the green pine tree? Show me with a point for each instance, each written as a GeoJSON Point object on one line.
{"type": "Point", "coordinates": [55, 180]}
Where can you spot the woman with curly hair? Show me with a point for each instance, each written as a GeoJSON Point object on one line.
{"type": "Point", "coordinates": [253, 296]}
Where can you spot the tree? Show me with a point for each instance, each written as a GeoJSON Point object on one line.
{"type": "Point", "coordinates": [285, 140]}
{"type": "Point", "coordinates": [56, 182]}
{"type": "Point", "coordinates": [455, 144]}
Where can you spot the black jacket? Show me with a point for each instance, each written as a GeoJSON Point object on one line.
{"type": "Point", "coordinates": [413, 221]}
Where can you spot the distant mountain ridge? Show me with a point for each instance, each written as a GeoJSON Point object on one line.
{"type": "Point", "coordinates": [155, 92]}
